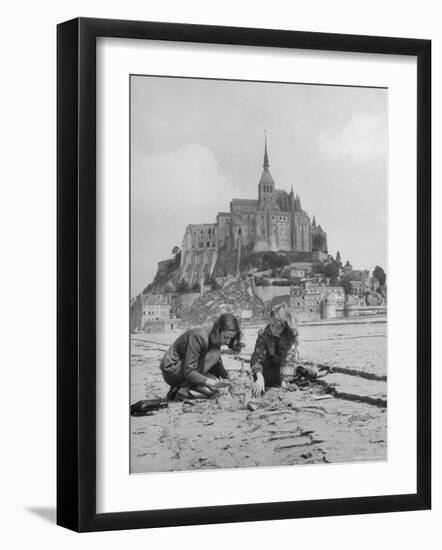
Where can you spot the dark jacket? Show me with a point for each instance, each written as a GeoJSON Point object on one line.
{"type": "Point", "coordinates": [274, 352]}
{"type": "Point", "coordinates": [183, 359]}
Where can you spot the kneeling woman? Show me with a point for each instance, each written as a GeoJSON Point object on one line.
{"type": "Point", "coordinates": [194, 361]}
{"type": "Point", "coordinates": [276, 347]}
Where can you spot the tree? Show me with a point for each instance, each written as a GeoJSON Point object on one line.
{"type": "Point", "coordinates": [212, 282]}
{"type": "Point", "coordinates": [182, 286]}
{"type": "Point", "coordinates": [355, 275]}
{"type": "Point", "coordinates": [274, 260]}
{"type": "Point", "coordinates": [331, 270]}
{"type": "Point", "coordinates": [346, 285]}
{"type": "Point", "coordinates": [262, 282]}
{"type": "Point", "coordinates": [318, 241]}
{"type": "Point", "coordinates": [318, 267]}
{"type": "Point", "coordinates": [169, 287]}
{"type": "Point", "coordinates": [380, 275]}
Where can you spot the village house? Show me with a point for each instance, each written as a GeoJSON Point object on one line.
{"type": "Point", "coordinates": [151, 313]}
{"type": "Point", "coordinates": [306, 305]}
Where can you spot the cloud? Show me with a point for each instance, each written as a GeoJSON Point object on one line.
{"type": "Point", "coordinates": [169, 191]}
{"type": "Point", "coordinates": [363, 138]}
{"type": "Point", "coordinates": [188, 177]}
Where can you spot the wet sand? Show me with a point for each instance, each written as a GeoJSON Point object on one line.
{"type": "Point", "coordinates": [300, 427]}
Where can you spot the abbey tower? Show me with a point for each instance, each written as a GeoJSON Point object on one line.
{"type": "Point", "coordinates": [275, 221]}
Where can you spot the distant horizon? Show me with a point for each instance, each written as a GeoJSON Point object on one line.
{"type": "Point", "coordinates": [196, 144]}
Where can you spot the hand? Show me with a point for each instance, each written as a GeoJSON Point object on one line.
{"type": "Point", "coordinates": [259, 386]}
{"type": "Point", "coordinates": [288, 387]}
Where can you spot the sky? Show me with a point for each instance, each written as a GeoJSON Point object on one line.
{"type": "Point", "coordinates": [197, 143]}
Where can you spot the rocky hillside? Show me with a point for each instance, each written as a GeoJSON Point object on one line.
{"type": "Point", "coordinates": [167, 276]}
{"type": "Point", "coordinates": [235, 297]}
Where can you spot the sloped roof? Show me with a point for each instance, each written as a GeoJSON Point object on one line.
{"type": "Point", "coordinates": [155, 299]}
{"type": "Point", "coordinates": [245, 202]}
{"type": "Point", "coordinates": [266, 177]}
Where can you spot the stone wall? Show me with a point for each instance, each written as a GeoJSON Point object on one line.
{"type": "Point", "coordinates": [159, 326]}
{"type": "Point", "coordinates": [197, 264]}
{"type": "Point", "coordinates": [136, 313]}
{"type": "Point", "coordinates": [267, 293]}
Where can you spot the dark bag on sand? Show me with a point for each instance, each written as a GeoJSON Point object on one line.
{"type": "Point", "coordinates": [307, 373]}
{"type": "Point", "coordinates": [145, 407]}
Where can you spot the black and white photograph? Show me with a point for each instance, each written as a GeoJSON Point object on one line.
{"type": "Point", "coordinates": [259, 264]}
{"type": "Point", "coordinates": [224, 217]}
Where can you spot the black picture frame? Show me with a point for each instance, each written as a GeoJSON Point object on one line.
{"type": "Point", "coordinates": [76, 273]}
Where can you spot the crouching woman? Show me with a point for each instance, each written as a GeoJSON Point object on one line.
{"type": "Point", "coordinates": [193, 361]}
{"type": "Point", "coordinates": [276, 351]}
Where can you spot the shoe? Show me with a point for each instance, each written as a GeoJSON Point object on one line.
{"type": "Point", "coordinates": [181, 394]}
{"type": "Point", "coordinates": [146, 406]}
{"type": "Point", "coordinates": [172, 392]}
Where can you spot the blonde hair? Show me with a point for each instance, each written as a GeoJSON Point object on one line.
{"type": "Point", "coordinates": [281, 312]}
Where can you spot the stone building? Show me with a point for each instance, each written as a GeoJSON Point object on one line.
{"type": "Point", "coordinates": [275, 221]}
{"type": "Point", "coordinates": [296, 273]}
{"type": "Point", "coordinates": [306, 305]}
{"type": "Point", "coordinates": [183, 302]}
{"type": "Point", "coordinates": [151, 313]}
{"type": "Point", "coordinates": [339, 295]}
{"type": "Point", "coordinates": [347, 268]}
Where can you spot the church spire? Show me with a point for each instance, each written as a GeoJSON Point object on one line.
{"type": "Point", "coordinates": [266, 184]}
{"type": "Point", "coordinates": [291, 199]}
{"type": "Point", "coordinates": [266, 156]}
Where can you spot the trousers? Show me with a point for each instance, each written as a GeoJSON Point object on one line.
{"type": "Point", "coordinates": [173, 375]}
{"type": "Point", "coordinates": [271, 373]}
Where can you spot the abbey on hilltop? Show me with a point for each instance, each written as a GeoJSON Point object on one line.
{"type": "Point", "coordinates": [275, 221]}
